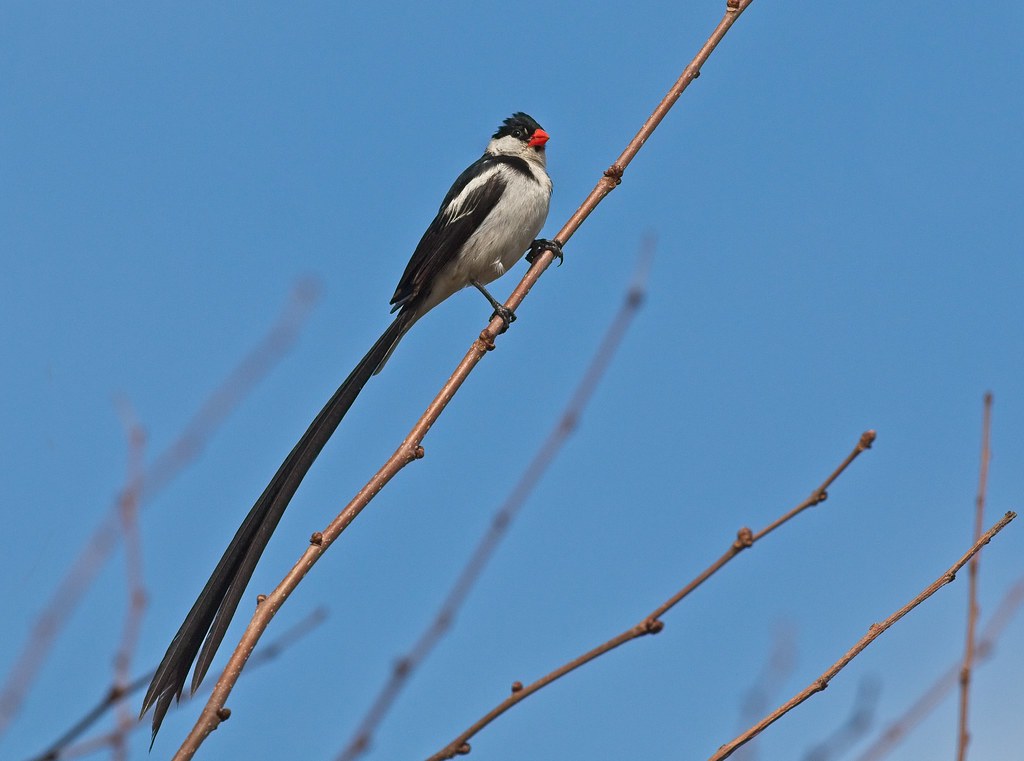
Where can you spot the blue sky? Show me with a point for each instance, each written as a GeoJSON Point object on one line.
{"type": "Point", "coordinates": [836, 204]}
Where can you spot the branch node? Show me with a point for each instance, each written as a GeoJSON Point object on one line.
{"type": "Point", "coordinates": [260, 599]}
{"type": "Point", "coordinates": [653, 625]}
{"type": "Point", "coordinates": [418, 453]}
{"type": "Point", "coordinates": [614, 173]}
{"type": "Point", "coordinates": [866, 440]}
{"type": "Point", "coordinates": [733, 5]}
{"type": "Point", "coordinates": [317, 539]}
{"type": "Point", "coordinates": [486, 342]}
{"type": "Point", "coordinates": [819, 496]}
{"type": "Point", "coordinates": [463, 750]}
{"type": "Point", "coordinates": [696, 74]}
{"type": "Point", "coordinates": [744, 538]}
{"type": "Point", "coordinates": [517, 687]}
{"type": "Point", "coordinates": [223, 713]}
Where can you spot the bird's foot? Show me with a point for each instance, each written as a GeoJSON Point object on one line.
{"type": "Point", "coordinates": [500, 310]}
{"type": "Point", "coordinates": [506, 315]}
{"type": "Point", "coordinates": [541, 245]}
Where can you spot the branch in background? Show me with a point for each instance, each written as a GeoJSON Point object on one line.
{"type": "Point", "coordinates": [410, 449]}
{"type": "Point", "coordinates": [777, 669]}
{"type": "Point", "coordinates": [134, 575]}
{"type": "Point", "coordinates": [62, 748]}
{"type": "Point", "coordinates": [893, 734]}
{"type": "Point", "coordinates": [874, 632]}
{"type": "Point", "coordinates": [170, 463]}
{"type": "Point", "coordinates": [652, 624]}
{"type": "Point", "coordinates": [502, 520]}
{"type": "Point", "coordinates": [853, 729]}
{"type": "Point", "coordinates": [963, 736]}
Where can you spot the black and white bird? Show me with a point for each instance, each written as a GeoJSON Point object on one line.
{"type": "Point", "coordinates": [489, 218]}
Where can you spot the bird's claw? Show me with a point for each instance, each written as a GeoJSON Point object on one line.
{"type": "Point", "coordinates": [506, 315]}
{"type": "Point", "coordinates": [541, 245]}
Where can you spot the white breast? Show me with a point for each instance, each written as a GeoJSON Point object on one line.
{"type": "Point", "coordinates": [502, 238]}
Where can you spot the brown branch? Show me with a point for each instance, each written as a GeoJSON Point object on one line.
{"type": "Point", "coordinates": [874, 631]}
{"type": "Point", "coordinates": [410, 449]}
{"type": "Point", "coordinates": [891, 736]}
{"type": "Point", "coordinates": [963, 735]}
{"type": "Point", "coordinates": [651, 624]}
{"type": "Point", "coordinates": [170, 463]}
{"type": "Point", "coordinates": [506, 514]}
{"type": "Point", "coordinates": [62, 748]}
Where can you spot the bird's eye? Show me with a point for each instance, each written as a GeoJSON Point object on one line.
{"type": "Point", "coordinates": [519, 133]}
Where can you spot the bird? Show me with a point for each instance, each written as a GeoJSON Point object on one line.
{"type": "Point", "coordinates": [489, 218]}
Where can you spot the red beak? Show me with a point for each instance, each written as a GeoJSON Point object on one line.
{"type": "Point", "coordinates": [539, 138]}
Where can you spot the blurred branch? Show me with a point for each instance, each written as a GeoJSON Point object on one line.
{"type": "Point", "coordinates": [134, 575]}
{"type": "Point", "coordinates": [502, 520]}
{"type": "Point", "coordinates": [652, 623]}
{"type": "Point", "coordinates": [891, 736]}
{"type": "Point", "coordinates": [874, 631]}
{"type": "Point", "coordinates": [853, 729]}
{"type": "Point", "coordinates": [778, 667]}
{"type": "Point", "coordinates": [170, 463]}
{"type": "Point", "coordinates": [62, 748]}
{"type": "Point", "coordinates": [410, 449]}
{"type": "Point", "coordinates": [963, 735]}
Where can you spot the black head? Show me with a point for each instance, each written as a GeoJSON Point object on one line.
{"type": "Point", "coordinates": [519, 125]}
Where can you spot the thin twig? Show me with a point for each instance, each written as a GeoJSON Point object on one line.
{"type": "Point", "coordinates": [963, 735]}
{"type": "Point", "coordinates": [874, 631]}
{"type": "Point", "coordinates": [134, 575]}
{"type": "Point", "coordinates": [410, 449]}
{"type": "Point", "coordinates": [930, 699]}
{"type": "Point", "coordinates": [651, 624]}
{"type": "Point", "coordinates": [62, 748]}
{"type": "Point", "coordinates": [506, 514]}
{"type": "Point", "coordinates": [170, 463]}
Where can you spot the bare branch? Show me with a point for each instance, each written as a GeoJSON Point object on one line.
{"type": "Point", "coordinates": [410, 449]}
{"type": "Point", "coordinates": [874, 631]}
{"type": "Point", "coordinates": [894, 733]}
{"type": "Point", "coordinates": [134, 575]}
{"type": "Point", "coordinates": [651, 624]}
{"type": "Point", "coordinates": [170, 463]}
{"type": "Point", "coordinates": [963, 735]}
{"type": "Point", "coordinates": [506, 514]}
{"type": "Point", "coordinates": [62, 748]}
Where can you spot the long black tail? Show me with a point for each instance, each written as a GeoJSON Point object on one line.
{"type": "Point", "coordinates": [212, 611]}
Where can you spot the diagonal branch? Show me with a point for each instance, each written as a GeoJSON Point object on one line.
{"type": "Point", "coordinates": [963, 735]}
{"type": "Point", "coordinates": [170, 463]}
{"type": "Point", "coordinates": [874, 632]}
{"type": "Point", "coordinates": [502, 520]}
{"type": "Point", "coordinates": [410, 449]}
{"type": "Point", "coordinates": [652, 623]}
{"type": "Point", "coordinates": [62, 748]}
{"type": "Point", "coordinates": [930, 699]}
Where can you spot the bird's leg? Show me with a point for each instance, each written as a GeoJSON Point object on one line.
{"type": "Point", "coordinates": [500, 310]}
{"type": "Point", "coordinates": [541, 245]}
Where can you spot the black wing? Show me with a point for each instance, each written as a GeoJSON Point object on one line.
{"type": "Point", "coordinates": [445, 236]}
